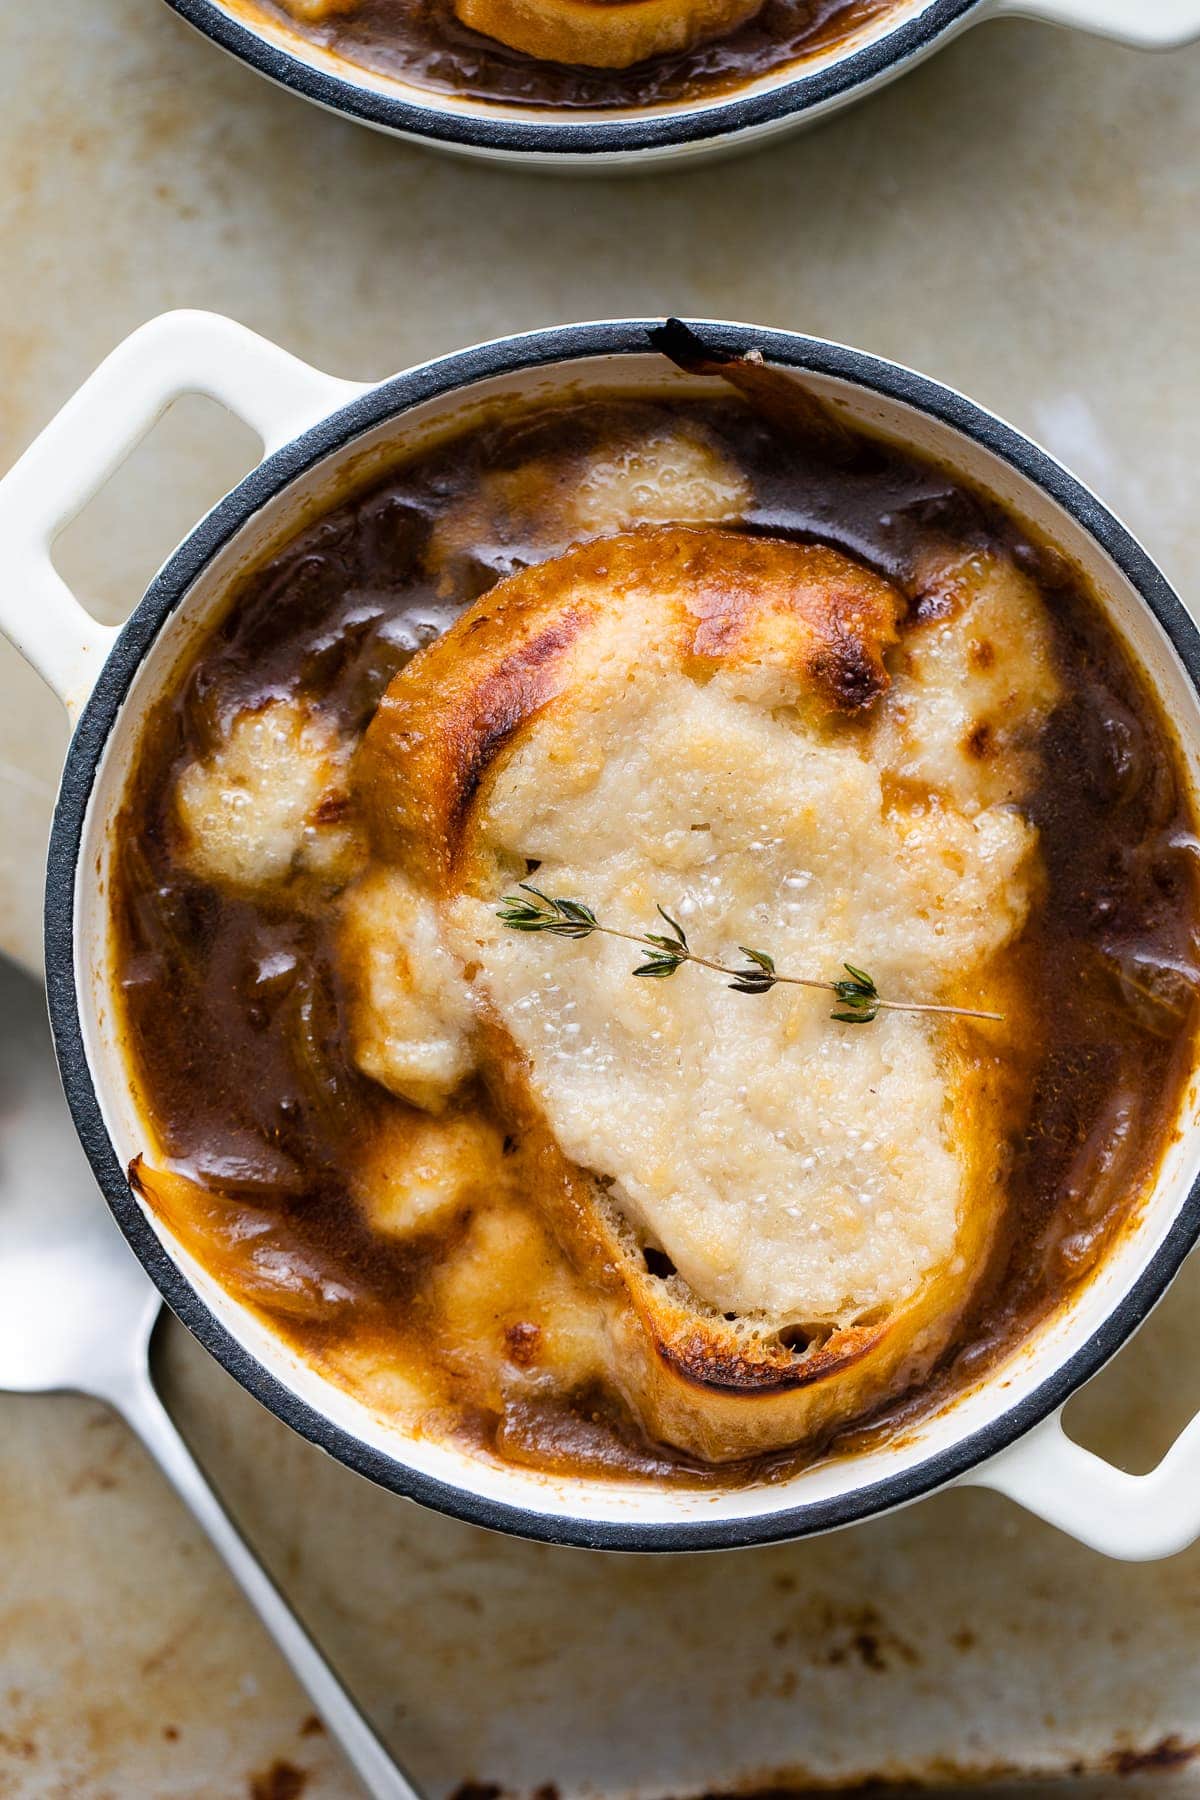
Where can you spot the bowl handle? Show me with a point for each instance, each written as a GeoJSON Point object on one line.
{"type": "Point", "coordinates": [1163, 25]}
{"type": "Point", "coordinates": [179, 353]}
{"type": "Point", "coordinates": [1134, 1518]}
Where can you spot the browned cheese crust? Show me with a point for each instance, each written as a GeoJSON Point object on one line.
{"type": "Point", "coordinates": [442, 731]}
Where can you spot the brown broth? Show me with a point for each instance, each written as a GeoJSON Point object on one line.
{"type": "Point", "coordinates": [422, 41]}
{"type": "Point", "coordinates": [235, 1024]}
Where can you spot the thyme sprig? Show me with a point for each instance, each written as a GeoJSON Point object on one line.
{"type": "Point", "coordinates": [859, 1000]}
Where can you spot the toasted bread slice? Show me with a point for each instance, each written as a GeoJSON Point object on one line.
{"type": "Point", "coordinates": [604, 34]}
{"type": "Point", "coordinates": [791, 1214]}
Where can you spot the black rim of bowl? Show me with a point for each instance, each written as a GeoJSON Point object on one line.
{"type": "Point", "coordinates": [538, 135]}
{"type": "Point", "coordinates": [391, 399]}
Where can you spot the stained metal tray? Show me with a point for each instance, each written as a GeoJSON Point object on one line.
{"type": "Point", "coordinates": [1019, 218]}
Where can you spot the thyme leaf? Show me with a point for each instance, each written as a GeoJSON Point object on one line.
{"type": "Point", "coordinates": [565, 918]}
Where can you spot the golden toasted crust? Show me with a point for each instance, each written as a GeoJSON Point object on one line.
{"type": "Point", "coordinates": [603, 34]}
{"type": "Point", "coordinates": [697, 598]}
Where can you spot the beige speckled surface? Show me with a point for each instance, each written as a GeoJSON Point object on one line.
{"type": "Point", "coordinates": [1020, 219]}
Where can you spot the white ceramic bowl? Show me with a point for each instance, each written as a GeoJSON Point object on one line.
{"type": "Point", "coordinates": [1005, 1432]}
{"type": "Point", "coordinates": [682, 131]}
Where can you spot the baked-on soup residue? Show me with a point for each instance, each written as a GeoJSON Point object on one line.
{"type": "Point", "coordinates": [807, 694]}
{"type": "Point", "coordinates": [580, 54]}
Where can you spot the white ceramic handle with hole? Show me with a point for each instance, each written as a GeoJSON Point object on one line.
{"type": "Point", "coordinates": [179, 353]}
{"type": "Point", "coordinates": [1134, 1518]}
{"type": "Point", "coordinates": [1126, 1516]}
{"type": "Point", "coordinates": [1146, 24]}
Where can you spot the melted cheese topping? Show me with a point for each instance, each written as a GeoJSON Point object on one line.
{"type": "Point", "coordinates": [410, 1011]}
{"type": "Point", "coordinates": [785, 1165]}
{"type": "Point", "coordinates": [270, 803]}
{"type": "Point", "coordinates": [415, 1172]}
{"type": "Point", "coordinates": [512, 1313]}
{"type": "Point", "coordinates": [973, 684]}
{"type": "Point", "coordinates": [672, 475]}
{"type": "Point", "coordinates": [657, 471]}
{"type": "Point", "coordinates": [790, 1167]}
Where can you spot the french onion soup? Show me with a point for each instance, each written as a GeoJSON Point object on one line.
{"type": "Point", "coordinates": [579, 54]}
{"type": "Point", "coordinates": [658, 938]}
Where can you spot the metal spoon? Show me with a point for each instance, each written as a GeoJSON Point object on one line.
{"type": "Point", "coordinates": [77, 1313]}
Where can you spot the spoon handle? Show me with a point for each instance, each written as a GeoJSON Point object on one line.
{"type": "Point", "coordinates": [148, 1417]}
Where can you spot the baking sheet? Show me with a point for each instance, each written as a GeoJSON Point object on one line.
{"type": "Point", "coordinates": [1018, 218]}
